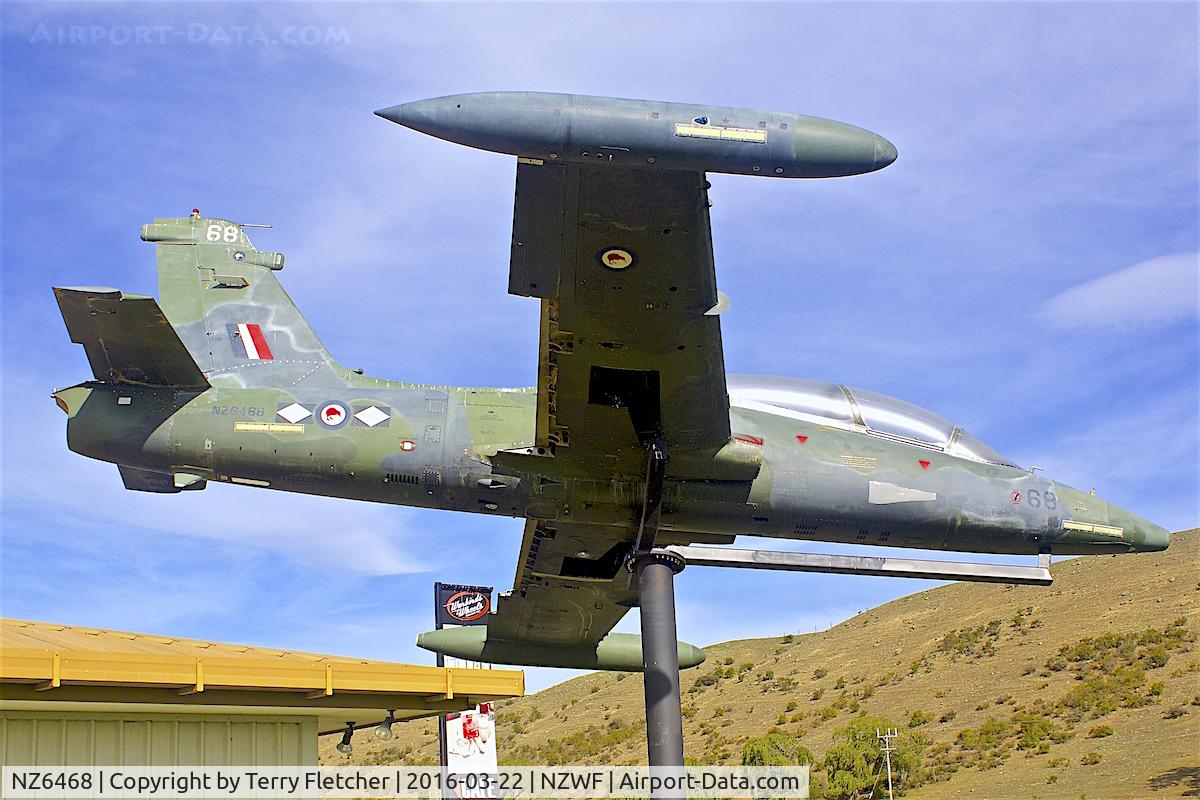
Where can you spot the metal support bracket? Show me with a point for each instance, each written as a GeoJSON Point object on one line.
{"type": "Point", "coordinates": [656, 472]}
{"type": "Point", "coordinates": [888, 566]}
{"type": "Point", "coordinates": [328, 690]}
{"type": "Point", "coordinates": [198, 686]}
{"type": "Point", "coordinates": [55, 675]}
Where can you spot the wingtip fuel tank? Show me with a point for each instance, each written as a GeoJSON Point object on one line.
{"type": "Point", "coordinates": [647, 134]}
{"type": "Point", "coordinates": [617, 651]}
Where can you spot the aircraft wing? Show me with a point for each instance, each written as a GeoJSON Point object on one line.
{"type": "Point", "coordinates": [622, 261]}
{"type": "Point", "coordinates": [562, 607]}
{"type": "Point", "coordinates": [560, 598]}
{"type": "Point", "coordinates": [630, 354]}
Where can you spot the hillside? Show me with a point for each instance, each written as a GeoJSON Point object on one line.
{"type": "Point", "coordinates": [1090, 687]}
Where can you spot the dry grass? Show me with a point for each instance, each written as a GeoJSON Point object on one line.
{"type": "Point", "coordinates": [945, 662]}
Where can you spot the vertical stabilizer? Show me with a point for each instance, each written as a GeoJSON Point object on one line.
{"type": "Point", "coordinates": [223, 299]}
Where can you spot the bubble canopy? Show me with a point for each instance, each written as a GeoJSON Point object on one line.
{"type": "Point", "coordinates": [859, 409]}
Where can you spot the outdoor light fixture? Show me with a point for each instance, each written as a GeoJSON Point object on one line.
{"type": "Point", "coordinates": [344, 745]}
{"type": "Point", "coordinates": [384, 730]}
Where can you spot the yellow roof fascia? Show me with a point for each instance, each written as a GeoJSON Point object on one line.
{"type": "Point", "coordinates": [293, 673]}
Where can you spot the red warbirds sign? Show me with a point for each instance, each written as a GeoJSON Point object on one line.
{"type": "Point", "coordinates": [463, 605]}
{"type": "Point", "coordinates": [467, 606]}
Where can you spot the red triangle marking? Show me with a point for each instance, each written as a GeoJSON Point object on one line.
{"type": "Point", "coordinates": [801, 439]}
{"type": "Point", "coordinates": [924, 464]}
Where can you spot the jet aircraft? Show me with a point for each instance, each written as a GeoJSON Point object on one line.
{"type": "Point", "coordinates": [634, 434]}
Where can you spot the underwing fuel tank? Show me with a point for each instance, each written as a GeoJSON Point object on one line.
{"type": "Point", "coordinates": [616, 651]}
{"type": "Point", "coordinates": [647, 134]}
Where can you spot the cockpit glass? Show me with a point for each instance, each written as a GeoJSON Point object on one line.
{"type": "Point", "coordinates": [898, 418]}
{"type": "Point", "coordinates": [881, 414]}
{"type": "Point", "coordinates": [967, 445]}
{"type": "Point", "coordinates": [817, 398]}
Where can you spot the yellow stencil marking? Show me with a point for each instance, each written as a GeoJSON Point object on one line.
{"type": "Point", "coordinates": [858, 462]}
{"type": "Point", "coordinates": [1087, 527]}
{"type": "Point", "coordinates": [715, 132]}
{"type": "Point", "coordinates": [266, 427]}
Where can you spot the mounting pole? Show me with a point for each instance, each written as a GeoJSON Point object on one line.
{"type": "Point", "coordinates": [443, 743]}
{"type": "Point", "coordinates": [655, 568]}
{"type": "Point", "coordinates": [656, 572]}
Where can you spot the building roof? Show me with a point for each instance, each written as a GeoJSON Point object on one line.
{"type": "Point", "coordinates": [45, 663]}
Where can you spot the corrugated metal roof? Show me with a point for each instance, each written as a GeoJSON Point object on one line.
{"type": "Point", "coordinates": [25, 634]}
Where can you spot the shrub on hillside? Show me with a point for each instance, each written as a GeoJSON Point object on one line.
{"type": "Point", "coordinates": [1036, 731]}
{"type": "Point", "coordinates": [775, 750]}
{"type": "Point", "coordinates": [977, 642]}
{"type": "Point", "coordinates": [856, 759]}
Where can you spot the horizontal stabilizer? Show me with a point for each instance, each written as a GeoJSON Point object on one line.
{"type": "Point", "coordinates": [616, 651]}
{"type": "Point", "coordinates": [127, 338]}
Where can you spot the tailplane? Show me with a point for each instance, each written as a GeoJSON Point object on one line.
{"type": "Point", "coordinates": [229, 310]}
{"type": "Point", "coordinates": [135, 354]}
{"type": "Point", "coordinates": [127, 339]}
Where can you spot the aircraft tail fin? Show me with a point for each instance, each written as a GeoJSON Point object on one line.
{"type": "Point", "coordinates": [223, 299]}
{"type": "Point", "coordinates": [127, 338]}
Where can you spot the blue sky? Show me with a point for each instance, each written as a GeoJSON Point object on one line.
{"type": "Point", "coordinates": [1028, 266]}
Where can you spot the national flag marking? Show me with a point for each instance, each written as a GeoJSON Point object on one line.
{"type": "Point", "coordinates": [252, 340]}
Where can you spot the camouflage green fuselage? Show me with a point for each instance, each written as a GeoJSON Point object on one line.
{"type": "Point", "coordinates": [269, 406]}
{"type": "Point", "coordinates": [816, 482]}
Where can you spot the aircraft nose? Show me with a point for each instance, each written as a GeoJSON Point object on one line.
{"type": "Point", "coordinates": [1143, 534]}
{"type": "Point", "coordinates": [1087, 523]}
{"type": "Point", "coordinates": [1150, 537]}
{"type": "Point", "coordinates": [885, 152]}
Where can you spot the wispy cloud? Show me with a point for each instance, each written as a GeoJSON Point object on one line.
{"type": "Point", "coordinates": [1124, 453]}
{"type": "Point", "coordinates": [338, 536]}
{"type": "Point", "coordinates": [1150, 293]}
{"type": "Point", "coordinates": [1042, 134]}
